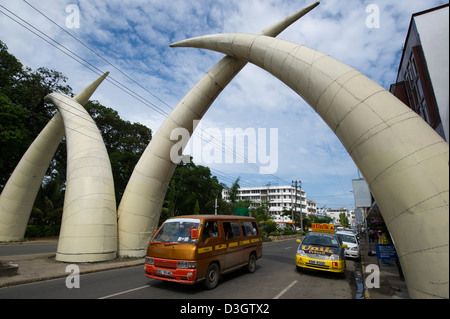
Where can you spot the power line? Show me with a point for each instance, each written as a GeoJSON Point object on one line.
{"type": "Point", "coordinates": [83, 62]}
{"type": "Point", "coordinates": [110, 79]}
{"type": "Point", "coordinates": [98, 55]}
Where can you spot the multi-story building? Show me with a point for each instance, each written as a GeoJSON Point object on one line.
{"type": "Point", "coordinates": [279, 198]}
{"type": "Point", "coordinates": [423, 75]}
{"type": "Point", "coordinates": [311, 207]}
{"type": "Point", "coordinates": [335, 215]}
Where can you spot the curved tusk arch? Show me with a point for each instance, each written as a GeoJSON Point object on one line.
{"type": "Point", "coordinates": [404, 161]}
{"type": "Point", "coordinates": [141, 204]}
{"type": "Point", "coordinates": [19, 194]}
{"type": "Point", "coordinates": [89, 222]}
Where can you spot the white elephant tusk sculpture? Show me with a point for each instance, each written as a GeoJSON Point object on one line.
{"type": "Point", "coordinates": [404, 161]}
{"type": "Point", "coordinates": [19, 193]}
{"type": "Point", "coordinates": [141, 204]}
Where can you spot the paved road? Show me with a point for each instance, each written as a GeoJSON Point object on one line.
{"type": "Point", "coordinates": [275, 277]}
{"type": "Point", "coordinates": [29, 249]}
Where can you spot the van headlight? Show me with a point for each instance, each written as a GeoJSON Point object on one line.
{"type": "Point", "coordinates": [149, 261]}
{"type": "Point", "coordinates": [186, 264]}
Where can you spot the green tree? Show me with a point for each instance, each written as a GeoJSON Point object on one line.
{"type": "Point", "coordinates": [344, 220]}
{"type": "Point", "coordinates": [13, 135]}
{"type": "Point", "coordinates": [11, 70]}
{"type": "Point", "coordinates": [24, 113]}
{"type": "Point", "coordinates": [270, 226]}
{"type": "Point", "coordinates": [196, 208]}
{"type": "Point", "coordinates": [190, 184]}
{"type": "Point", "coordinates": [48, 206]}
{"type": "Point", "coordinates": [167, 210]}
{"type": "Point", "coordinates": [261, 213]}
{"type": "Point", "coordinates": [233, 193]}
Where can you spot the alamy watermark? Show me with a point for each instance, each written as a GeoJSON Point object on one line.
{"type": "Point", "coordinates": [373, 279]}
{"type": "Point", "coordinates": [73, 19]}
{"type": "Point", "coordinates": [373, 17]}
{"type": "Point", "coordinates": [231, 145]}
{"type": "Point", "coordinates": [73, 280]}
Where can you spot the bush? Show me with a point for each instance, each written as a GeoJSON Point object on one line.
{"type": "Point", "coordinates": [274, 233]}
{"type": "Point", "coordinates": [270, 226]}
{"type": "Point", "coordinates": [36, 231]}
{"type": "Point", "coordinates": [265, 237]}
{"type": "Point", "coordinates": [32, 231]}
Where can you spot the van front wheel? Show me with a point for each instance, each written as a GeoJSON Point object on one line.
{"type": "Point", "coordinates": [251, 266]}
{"type": "Point", "coordinates": [212, 276]}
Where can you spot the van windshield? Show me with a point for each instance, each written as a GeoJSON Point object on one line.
{"type": "Point", "coordinates": [177, 230]}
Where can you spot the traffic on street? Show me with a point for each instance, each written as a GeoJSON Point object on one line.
{"type": "Point", "coordinates": [276, 277]}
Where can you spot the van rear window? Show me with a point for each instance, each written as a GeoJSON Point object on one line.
{"type": "Point", "coordinates": [249, 229]}
{"type": "Point", "coordinates": [232, 230]}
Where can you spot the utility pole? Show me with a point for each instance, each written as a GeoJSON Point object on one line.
{"type": "Point", "coordinates": [301, 213]}
{"type": "Point", "coordinates": [296, 185]}
{"type": "Point", "coordinates": [293, 204]}
{"type": "Point", "coordinates": [215, 207]}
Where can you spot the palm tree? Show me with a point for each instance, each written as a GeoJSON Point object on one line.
{"type": "Point", "coordinates": [49, 202]}
{"type": "Point", "coordinates": [263, 217]}
{"type": "Point", "coordinates": [233, 192]}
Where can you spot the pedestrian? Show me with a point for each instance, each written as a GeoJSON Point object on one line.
{"type": "Point", "coordinates": [371, 235]}
{"type": "Point", "coordinates": [383, 240]}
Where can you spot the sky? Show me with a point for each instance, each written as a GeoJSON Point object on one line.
{"type": "Point", "coordinates": [149, 78]}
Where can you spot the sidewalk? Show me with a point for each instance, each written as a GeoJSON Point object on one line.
{"type": "Point", "coordinates": [39, 267]}
{"type": "Point", "coordinates": [391, 285]}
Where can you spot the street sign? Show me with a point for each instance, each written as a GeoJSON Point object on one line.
{"type": "Point", "coordinates": [361, 192]}
{"type": "Point", "coordinates": [386, 251]}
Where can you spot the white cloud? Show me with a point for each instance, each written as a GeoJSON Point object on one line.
{"type": "Point", "coordinates": [135, 37]}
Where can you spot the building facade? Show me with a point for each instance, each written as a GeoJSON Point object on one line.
{"type": "Point", "coordinates": [279, 199]}
{"type": "Point", "coordinates": [334, 214]}
{"type": "Point", "coordinates": [423, 76]}
{"type": "Point", "coordinates": [288, 199]}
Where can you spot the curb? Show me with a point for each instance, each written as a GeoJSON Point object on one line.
{"type": "Point", "coordinates": [92, 268]}
{"type": "Point", "coordinates": [89, 271]}
{"type": "Point", "coordinates": [366, 290]}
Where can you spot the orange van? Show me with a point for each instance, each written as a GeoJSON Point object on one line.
{"type": "Point", "coordinates": [190, 249]}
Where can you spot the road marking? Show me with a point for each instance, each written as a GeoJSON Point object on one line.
{"type": "Point", "coordinates": [123, 292]}
{"type": "Point", "coordinates": [288, 247]}
{"type": "Point", "coordinates": [285, 289]}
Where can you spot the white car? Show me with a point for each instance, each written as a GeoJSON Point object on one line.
{"type": "Point", "coordinates": [352, 243]}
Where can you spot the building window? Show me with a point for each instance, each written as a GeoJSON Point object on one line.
{"type": "Point", "coordinates": [414, 89]}
{"type": "Point", "coordinates": [419, 90]}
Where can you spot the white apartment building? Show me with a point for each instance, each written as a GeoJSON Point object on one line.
{"type": "Point", "coordinates": [334, 214]}
{"type": "Point", "coordinates": [279, 197]}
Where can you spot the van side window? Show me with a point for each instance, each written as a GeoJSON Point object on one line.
{"type": "Point", "coordinates": [248, 228]}
{"type": "Point", "coordinates": [210, 230]}
{"type": "Point", "coordinates": [231, 230]}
